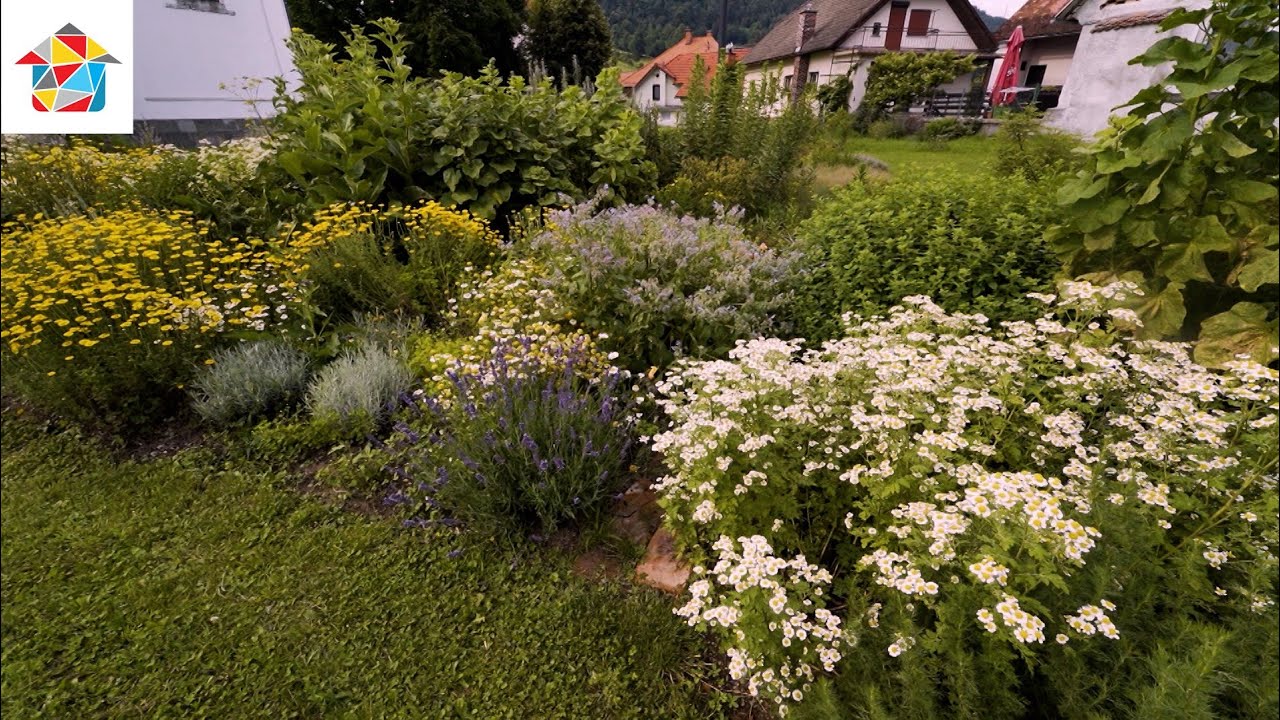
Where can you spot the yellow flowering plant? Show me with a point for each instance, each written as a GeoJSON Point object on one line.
{"type": "Point", "coordinates": [357, 257]}
{"type": "Point", "coordinates": [105, 317]}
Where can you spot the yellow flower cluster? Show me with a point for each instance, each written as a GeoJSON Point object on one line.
{"type": "Point", "coordinates": [423, 228]}
{"type": "Point", "coordinates": [128, 277]}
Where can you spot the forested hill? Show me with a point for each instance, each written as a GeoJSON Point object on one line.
{"type": "Point", "coordinates": [647, 27]}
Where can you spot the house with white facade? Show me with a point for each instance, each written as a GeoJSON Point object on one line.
{"type": "Point", "coordinates": [822, 40]}
{"type": "Point", "coordinates": [1100, 78]}
{"type": "Point", "coordinates": [196, 60]}
{"type": "Point", "coordinates": [660, 85]}
{"type": "Point", "coordinates": [1049, 45]}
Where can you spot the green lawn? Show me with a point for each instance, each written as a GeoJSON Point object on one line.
{"type": "Point", "coordinates": [834, 157]}
{"type": "Point", "coordinates": [198, 586]}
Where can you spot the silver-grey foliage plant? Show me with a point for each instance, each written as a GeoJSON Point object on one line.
{"type": "Point", "coordinates": [362, 383]}
{"type": "Point", "coordinates": [251, 381]}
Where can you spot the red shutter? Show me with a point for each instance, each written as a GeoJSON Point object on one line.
{"type": "Point", "coordinates": [918, 24]}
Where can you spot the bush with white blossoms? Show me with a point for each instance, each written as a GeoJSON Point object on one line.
{"type": "Point", "coordinates": [990, 517]}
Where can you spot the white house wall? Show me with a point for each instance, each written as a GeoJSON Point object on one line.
{"type": "Point", "coordinates": [185, 57]}
{"type": "Point", "coordinates": [952, 33]}
{"type": "Point", "coordinates": [1054, 53]}
{"type": "Point", "coordinates": [1100, 78]}
{"type": "Point", "coordinates": [668, 108]}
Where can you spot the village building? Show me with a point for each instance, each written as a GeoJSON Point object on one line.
{"type": "Point", "coordinates": [823, 40]}
{"type": "Point", "coordinates": [660, 85]}
{"type": "Point", "coordinates": [1049, 44]}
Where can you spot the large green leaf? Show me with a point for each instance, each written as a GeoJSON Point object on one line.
{"type": "Point", "coordinates": [1262, 268]}
{"type": "Point", "coordinates": [1244, 330]}
{"type": "Point", "coordinates": [1163, 314]}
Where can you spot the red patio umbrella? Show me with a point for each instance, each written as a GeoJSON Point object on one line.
{"type": "Point", "coordinates": [1008, 76]}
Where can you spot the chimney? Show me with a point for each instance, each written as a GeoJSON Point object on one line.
{"type": "Point", "coordinates": [688, 36]}
{"type": "Point", "coordinates": [800, 68]}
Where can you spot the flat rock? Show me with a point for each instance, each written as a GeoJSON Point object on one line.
{"type": "Point", "coordinates": [660, 567]}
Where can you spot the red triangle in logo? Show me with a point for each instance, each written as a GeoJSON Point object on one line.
{"type": "Point", "coordinates": [62, 72]}
{"type": "Point", "coordinates": [32, 59]}
{"type": "Point", "coordinates": [75, 42]}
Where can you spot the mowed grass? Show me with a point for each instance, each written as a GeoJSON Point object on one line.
{"type": "Point", "coordinates": [196, 586]}
{"type": "Point", "coordinates": [835, 158]}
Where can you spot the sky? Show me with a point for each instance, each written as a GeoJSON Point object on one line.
{"type": "Point", "coordinates": [999, 8]}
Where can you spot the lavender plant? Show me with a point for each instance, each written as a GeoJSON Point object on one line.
{"type": "Point", "coordinates": [524, 443]}
{"type": "Point", "coordinates": [653, 285]}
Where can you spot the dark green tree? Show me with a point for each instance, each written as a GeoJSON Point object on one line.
{"type": "Point", "coordinates": [457, 35]}
{"type": "Point", "coordinates": [569, 38]}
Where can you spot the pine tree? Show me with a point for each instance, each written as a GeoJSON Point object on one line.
{"type": "Point", "coordinates": [569, 38]}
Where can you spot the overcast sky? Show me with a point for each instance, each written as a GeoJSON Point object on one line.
{"type": "Point", "coordinates": [999, 8]}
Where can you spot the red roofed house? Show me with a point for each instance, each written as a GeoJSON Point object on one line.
{"type": "Point", "coordinates": [663, 82]}
{"type": "Point", "coordinates": [1049, 45]}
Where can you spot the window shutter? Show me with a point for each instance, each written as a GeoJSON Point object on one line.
{"type": "Point", "coordinates": [918, 22]}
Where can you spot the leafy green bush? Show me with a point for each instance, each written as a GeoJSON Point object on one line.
{"type": "Point", "coordinates": [886, 129]}
{"type": "Point", "coordinates": [972, 242]}
{"type": "Point", "coordinates": [736, 147]}
{"type": "Point", "coordinates": [1024, 146]}
{"type": "Point", "coordinates": [359, 386]}
{"type": "Point", "coordinates": [409, 259]}
{"type": "Point", "coordinates": [1182, 195]}
{"type": "Point", "coordinates": [897, 79]}
{"type": "Point", "coordinates": [251, 382]}
{"type": "Point", "coordinates": [653, 284]}
{"type": "Point", "coordinates": [527, 444]}
{"type": "Point", "coordinates": [949, 128]}
{"type": "Point", "coordinates": [1037, 518]}
{"type": "Point", "coordinates": [363, 129]}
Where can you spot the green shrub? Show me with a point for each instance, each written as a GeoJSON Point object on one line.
{"type": "Point", "coordinates": [1024, 146]}
{"type": "Point", "coordinates": [406, 259]}
{"type": "Point", "coordinates": [651, 284]}
{"type": "Point", "coordinates": [1032, 519]}
{"type": "Point", "coordinates": [737, 147]}
{"type": "Point", "coordinates": [251, 382]}
{"type": "Point", "coordinates": [363, 129]}
{"type": "Point", "coordinates": [886, 129]}
{"type": "Point", "coordinates": [359, 386]}
{"type": "Point", "coordinates": [528, 444]}
{"type": "Point", "coordinates": [1182, 195]}
{"type": "Point", "coordinates": [949, 128]}
{"type": "Point", "coordinates": [897, 79]}
{"type": "Point", "coordinates": [973, 243]}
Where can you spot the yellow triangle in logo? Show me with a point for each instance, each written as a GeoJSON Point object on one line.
{"type": "Point", "coordinates": [46, 97]}
{"type": "Point", "coordinates": [63, 54]}
{"type": "Point", "coordinates": [94, 49]}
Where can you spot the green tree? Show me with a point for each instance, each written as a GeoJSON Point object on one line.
{"type": "Point", "coordinates": [1180, 195]}
{"type": "Point", "coordinates": [897, 79]}
{"type": "Point", "coordinates": [456, 35]}
{"type": "Point", "coordinates": [569, 38]}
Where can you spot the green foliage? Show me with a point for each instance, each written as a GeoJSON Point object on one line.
{"type": "Point", "coordinates": [655, 285]}
{"type": "Point", "coordinates": [662, 148]}
{"type": "Point", "coordinates": [1180, 195]}
{"type": "Point", "coordinates": [971, 242]}
{"type": "Point", "coordinates": [897, 79]}
{"type": "Point", "coordinates": [834, 96]}
{"type": "Point", "coordinates": [359, 385]}
{"type": "Point", "coordinates": [453, 35]}
{"type": "Point", "coordinates": [252, 381]}
{"type": "Point", "coordinates": [755, 160]}
{"type": "Point", "coordinates": [1026, 147]}
{"type": "Point", "coordinates": [362, 129]}
{"type": "Point", "coordinates": [948, 128]}
{"type": "Point", "coordinates": [569, 39]}
{"type": "Point", "coordinates": [203, 585]}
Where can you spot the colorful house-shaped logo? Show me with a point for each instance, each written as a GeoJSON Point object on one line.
{"type": "Point", "coordinates": [68, 72]}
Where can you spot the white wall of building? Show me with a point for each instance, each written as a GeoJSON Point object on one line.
{"type": "Point", "coordinates": [1054, 53]}
{"type": "Point", "coordinates": [1100, 77]}
{"type": "Point", "coordinates": [668, 106]}
{"type": "Point", "coordinates": [952, 34]}
{"type": "Point", "coordinates": [184, 57]}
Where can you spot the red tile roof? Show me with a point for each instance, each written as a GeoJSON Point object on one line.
{"type": "Point", "coordinates": [1038, 18]}
{"type": "Point", "coordinates": [688, 44]}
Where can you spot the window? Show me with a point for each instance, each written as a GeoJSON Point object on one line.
{"type": "Point", "coordinates": [875, 29]}
{"type": "Point", "coordinates": [209, 6]}
{"type": "Point", "coordinates": [657, 92]}
{"type": "Point", "coordinates": [918, 22]}
{"type": "Point", "coordinates": [1035, 76]}
{"type": "Point", "coordinates": [786, 82]}
{"type": "Point", "coordinates": [813, 78]}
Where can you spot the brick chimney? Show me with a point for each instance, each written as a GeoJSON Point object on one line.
{"type": "Point", "coordinates": [800, 68]}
